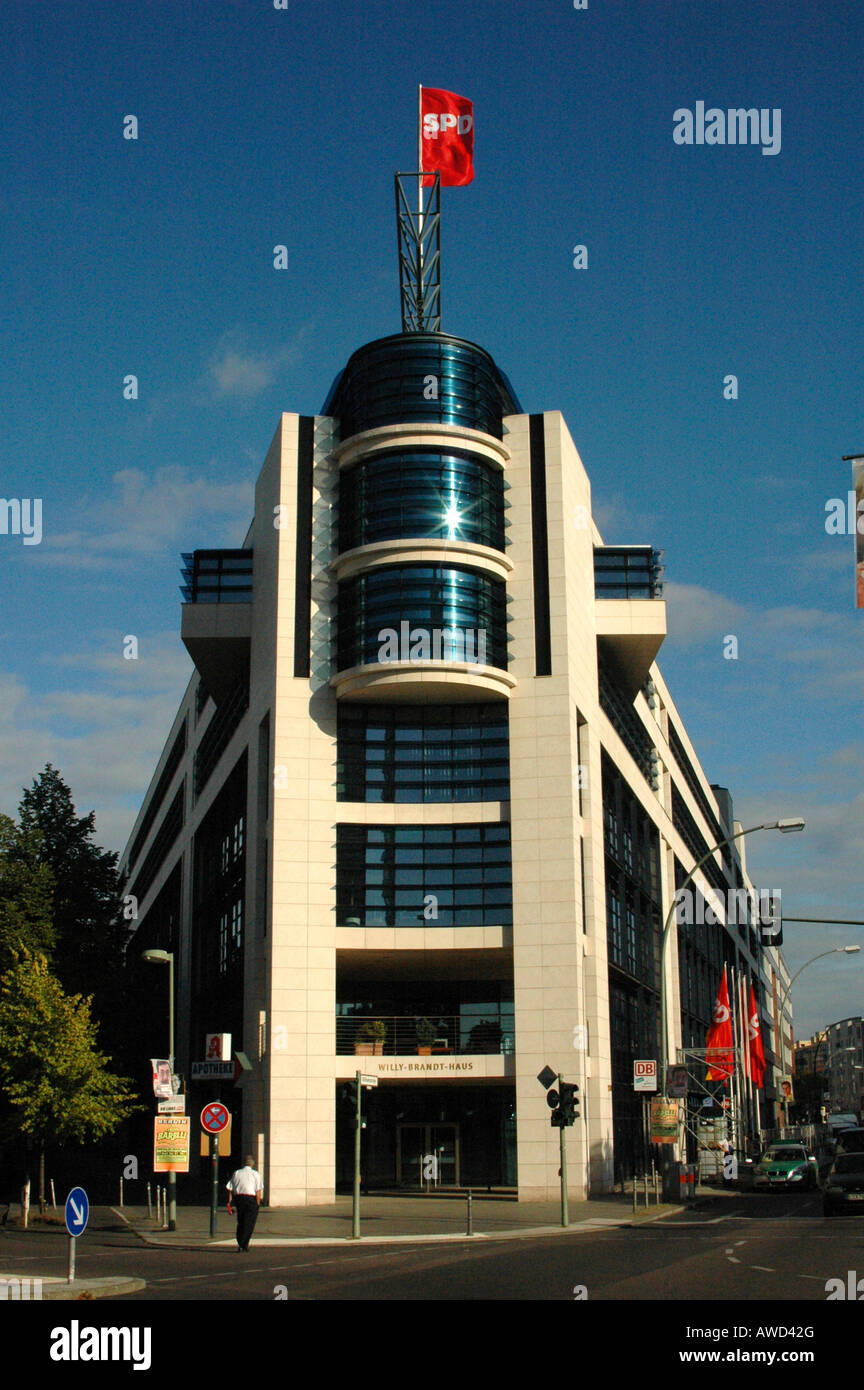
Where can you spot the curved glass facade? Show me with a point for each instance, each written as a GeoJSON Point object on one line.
{"type": "Point", "coordinates": [413, 377]}
{"type": "Point", "coordinates": [422, 612]}
{"type": "Point", "coordinates": [413, 493]}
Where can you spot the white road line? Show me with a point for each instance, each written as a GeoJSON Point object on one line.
{"type": "Point", "coordinates": [766, 1269]}
{"type": "Point", "coordinates": [818, 1278]}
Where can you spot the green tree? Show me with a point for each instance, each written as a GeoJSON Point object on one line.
{"type": "Point", "coordinates": [26, 895]}
{"type": "Point", "coordinates": [54, 1077]}
{"type": "Point", "coordinates": [89, 928]}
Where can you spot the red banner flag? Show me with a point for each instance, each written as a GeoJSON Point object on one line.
{"type": "Point", "coordinates": [755, 1051]}
{"type": "Point", "coordinates": [718, 1042]}
{"type": "Point", "coordinates": [446, 137]}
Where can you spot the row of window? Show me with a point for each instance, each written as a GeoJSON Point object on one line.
{"type": "Point", "coordinates": [423, 753]}
{"type": "Point", "coordinates": [420, 613]}
{"type": "Point", "coordinates": [424, 875]}
{"type": "Point", "coordinates": [421, 377]}
{"type": "Point", "coordinates": [420, 493]}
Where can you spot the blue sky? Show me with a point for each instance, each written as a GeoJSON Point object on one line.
{"type": "Point", "coordinates": [260, 127]}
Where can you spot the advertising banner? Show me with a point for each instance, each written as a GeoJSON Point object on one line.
{"type": "Point", "coordinates": [171, 1144]}
{"type": "Point", "coordinates": [664, 1121]}
{"type": "Point", "coordinates": [161, 1077]}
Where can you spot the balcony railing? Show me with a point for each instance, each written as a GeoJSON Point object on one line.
{"type": "Point", "coordinates": [217, 576]}
{"type": "Point", "coordinates": [628, 571]}
{"type": "Point", "coordinates": [406, 1035]}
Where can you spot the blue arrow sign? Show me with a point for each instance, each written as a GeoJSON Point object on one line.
{"type": "Point", "coordinates": [77, 1211]}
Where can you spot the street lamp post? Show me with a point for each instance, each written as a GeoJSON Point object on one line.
{"type": "Point", "coordinates": [167, 958]}
{"type": "Point", "coordinates": [784, 826]}
{"type": "Point", "coordinates": [835, 950]}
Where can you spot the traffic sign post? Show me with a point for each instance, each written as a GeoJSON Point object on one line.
{"type": "Point", "coordinates": [77, 1214]}
{"type": "Point", "coordinates": [214, 1118]}
{"type": "Point", "coordinates": [214, 1182]}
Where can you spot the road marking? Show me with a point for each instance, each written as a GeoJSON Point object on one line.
{"type": "Point", "coordinates": [730, 1257]}
{"type": "Point", "coordinates": [766, 1269]}
{"type": "Point", "coordinates": [818, 1278]}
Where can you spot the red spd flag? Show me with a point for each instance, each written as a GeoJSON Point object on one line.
{"type": "Point", "coordinates": [755, 1051]}
{"type": "Point", "coordinates": [718, 1042]}
{"type": "Point", "coordinates": [446, 137]}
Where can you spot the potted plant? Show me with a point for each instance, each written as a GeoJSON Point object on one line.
{"type": "Point", "coordinates": [369, 1040]}
{"type": "Point", "coordinates": [425, 1036]}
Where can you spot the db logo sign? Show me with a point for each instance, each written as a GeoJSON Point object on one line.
{"type": "Point", "coordinates": [645, 1068]}
{"type": "Point", "coordinates": [438, 123]}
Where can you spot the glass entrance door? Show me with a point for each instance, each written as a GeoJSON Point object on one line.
{"type": "Point", "coordinates": [427, 1156]}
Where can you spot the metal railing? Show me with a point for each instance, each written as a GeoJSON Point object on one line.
{"type": "Point", "coordinates": [408, 1035]}
{"type": "Point", "coordinates": [628, 571]}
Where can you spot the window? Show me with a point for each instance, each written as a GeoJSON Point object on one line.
{"type": "Point", "coordinates": [419, 492]}
{"type": "Point", "coordinates": [423, 875]}
{"type": "Point", "coordinates": [429, 753]}
{"type": "Point", "coordinates": [461, 613]}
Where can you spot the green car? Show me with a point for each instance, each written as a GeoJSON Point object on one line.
{"type": "Point", "coordinates": [786, 1166]}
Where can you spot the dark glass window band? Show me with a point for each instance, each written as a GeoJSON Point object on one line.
{"type": "Point", "coordinates": [421, 377]}
{"type": "Point", "coordinates": [428, 598]}
{"type": "Point", "coordinates": [423, 753]}
{"type": "Point", "coordinates": [303, 553]}
{"type": "Point", "coordinates": [540, 549]}
{"type": "Point", "coordinates": [405, 493]}
{"type": "Point", "coordinates": [424, 875]}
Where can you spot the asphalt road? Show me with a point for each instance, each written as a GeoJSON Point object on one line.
{"type": "Point", "coordinates": [752, 1248]}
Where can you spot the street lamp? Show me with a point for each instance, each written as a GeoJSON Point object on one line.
{"type": "Point", "coordinates": [785, 827]}
{"type": "Point", "coordinates": [167, 958]}
{"type": "Point", "coordinates": [835, 950]}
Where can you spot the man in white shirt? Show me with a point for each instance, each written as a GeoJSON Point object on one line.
{"type": "Point", "coordinates": [247, 1189]}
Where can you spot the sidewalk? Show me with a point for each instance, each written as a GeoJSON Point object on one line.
{"type": "Point", "coordinates": [393, 1219]}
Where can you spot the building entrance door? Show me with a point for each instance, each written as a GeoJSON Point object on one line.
{"type": "Point", "coordinates": [427, 1156]}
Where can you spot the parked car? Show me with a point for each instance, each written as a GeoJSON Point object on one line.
{"type": "Point", "coordinates": [850, 1141]}
{"type": "Point", "coordinates": [844, 1185]}
{"type": "Point", "coordinates": [786, 1166]}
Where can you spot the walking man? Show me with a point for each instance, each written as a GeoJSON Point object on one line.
{"type": "Point", "coordinates": [247, 1189]}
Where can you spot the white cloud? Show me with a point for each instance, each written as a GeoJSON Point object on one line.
{"type": "Point", "coordinates": [235, 371]}
{"type": "Point", "coordinates": [145, 514]}
{"type": "Point", "coordinates": [105, 742]}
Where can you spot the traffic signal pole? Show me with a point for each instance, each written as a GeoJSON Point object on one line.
{"type": "Point", "coordinates": [358, 1130]}
{"type": "Point", "coordinates": [565, 1210]}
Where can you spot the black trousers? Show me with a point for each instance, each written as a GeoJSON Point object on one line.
{"type": "Point", "coordinates": [247, 1215]}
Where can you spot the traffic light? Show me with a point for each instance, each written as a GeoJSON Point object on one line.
{"type": "Point", "coordinates": [770, 930]}
{"type": "Point", "coordinates": [569, 1102]}
{"type": "Point", "coordinates": [563, 1104]}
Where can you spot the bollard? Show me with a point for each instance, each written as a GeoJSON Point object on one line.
{"type": "Point", "coordinates": [645, 1184]}
{"type": "Point", "coordinates": [53, 1198]}
{"type": "Point", "coordinates": [121, 1193]}
{"type": "Point", "coordinates": [149, 1203]}
{"type": "Point", "coordinates": [470, 1226]}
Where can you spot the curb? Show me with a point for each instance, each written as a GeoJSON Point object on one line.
{"type": "Point", "coordinates": [587, 1227]}
{"type": "Point", "coordinates": [55, 1290]}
